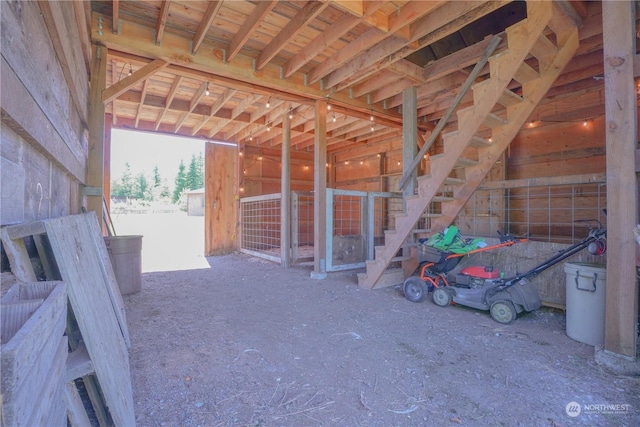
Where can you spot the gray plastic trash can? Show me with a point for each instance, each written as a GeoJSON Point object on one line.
{"type": "Point", "coordinates": [586, 298]}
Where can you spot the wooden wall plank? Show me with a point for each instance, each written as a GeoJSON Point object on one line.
{"type": "Point", "coordinates": [60, 20]}
{"type": "Point", "coordinates": [30, 122]}
{"type": "Point", "coordinates": [221, 199]}
{"type": "Point", "coordinates": [40, 73]}
{"type": "Point", "coordinates": [619, 35]}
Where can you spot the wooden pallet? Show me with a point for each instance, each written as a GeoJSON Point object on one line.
{"type": "Point", "coordinates": [34, 354]}
{"type": "Point", "coordinates": [73, 248]}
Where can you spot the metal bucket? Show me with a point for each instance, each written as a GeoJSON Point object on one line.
{"type": "Point", "coordinates": [126, 259]}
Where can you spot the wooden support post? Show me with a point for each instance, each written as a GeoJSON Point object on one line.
{"type": "Point", "coordinates": [106, 182]}
{"type": "Point", "coordinates": [95, 159]}
{"type": "Point", "coordinates": [320, 191]}
{"type": "Point", "coordinates": [409, 147]}
{"type": "Point", "coordinates": [619, 35]}
{"type": "Point", "coordinates": [285, 190]}
{"type": "Point", "coordinates": [409, 138]}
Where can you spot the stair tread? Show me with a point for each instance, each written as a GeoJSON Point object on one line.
{"type": "Point", "coordinates": [478, 142]}
{"type": "Point", "coordinates": [509, 98]}
{"type": "Point", "coordinates": [460, 161]}
{"type": "Point", "coordinates": [525, 74]}
{"type": "Point", "coordinates": [421, 230]}
{"type": "Point", "coordinates": [543, 48]}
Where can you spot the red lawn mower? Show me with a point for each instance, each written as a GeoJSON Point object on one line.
{"type": "Point", "coordinates": [484, 287]}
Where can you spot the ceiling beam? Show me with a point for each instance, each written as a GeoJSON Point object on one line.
{"type": "Point", "coordinates": [162, 20]}
{"type": "Point", "coordinates": [138, 40]}
{"type": "Point", "coordinates": [308, 13]}
{"type": "Point", "coordinates": [215, 108]}
{"type": "Point", "coordinates": [115, 16]}
{"type": "Point", "coordinates": [168, 101]}
{"type": "Point", "coordinates": [128, 82]}
{"type": "Point", "coordinates": [210, 14]}
{"type": "Point", "coordinates": [327, 37]}
{"type": "Point", "coordinates": [261, 10]}
{"type": "Point", "coordinates": [142, 96]}
{"type": "Point", "coordinates": [441, 22]}
{"type": "Point", "coordinates": [200, 93]}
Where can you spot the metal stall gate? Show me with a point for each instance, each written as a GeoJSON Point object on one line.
{"type": "Point", "coordinates": [260, 221]}
{"type": "Point", "coordinates": [356, 221]}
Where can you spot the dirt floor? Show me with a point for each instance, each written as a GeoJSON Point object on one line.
{"type": "Point", "coordinates": [240, 341]}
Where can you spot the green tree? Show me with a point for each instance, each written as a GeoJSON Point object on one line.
{"type": "Point", "coordinates": [124, 186]}
{"type": "Point", "coordinates": [180, 182]}
{"type": "Point", "coordinates": [141, 189]}
{"type": "Point", "coordinates": [157, 180]}
{"type": "Point", "coordinates": [194, 177]}
{"type": "Point", "coordinates": [200, 169]}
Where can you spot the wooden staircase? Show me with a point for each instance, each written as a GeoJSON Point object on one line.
{"type": "Point", "coordinates": [538, 48]}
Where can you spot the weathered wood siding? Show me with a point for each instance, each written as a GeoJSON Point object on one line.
{"type": "Point", "coordinates": [44, 98]}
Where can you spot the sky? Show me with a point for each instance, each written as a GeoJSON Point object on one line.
{"type": "Point", "coordinates": [145, 150]}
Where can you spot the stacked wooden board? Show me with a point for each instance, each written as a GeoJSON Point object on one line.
{"type": "Point", "coordinates": [34, 354]}
{"type": "Point", "coordinates": [72, 249]}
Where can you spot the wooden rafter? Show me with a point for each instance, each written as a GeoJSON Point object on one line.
{"type": "Point", "coordinates": [237, 110]}
{"type": "Point", "coordinates": [142, 96]}
{"type": "Point", "coordinates": [214, 109]}
{"type": "Point", "coordinates": [200, 93]}
{"type": "Point", "coordinates": [392, 44]}
{"type": "Point", "coordinates": [295, 25]}
{"type": "Point", "coordinates": [139, 41]}
{"type": "Point", "coordinates": [207, 20]}
{"type": "Point", "coordinates": [128, 82]}
{"type": "Point", "coordinates": [162, 20]}
{"type": "Point", "coordinates": [115, 27]}
{"type": "Point", "coordinates": [327, 37]}
{"type": "Point", "coordinates": [423, 32]}
{"type": "Point", "coordinates": [169, 100]}
{"type": "Point", "coordinates": [261, 10]}
{"type": "Point", "coordinates": [365, 41]}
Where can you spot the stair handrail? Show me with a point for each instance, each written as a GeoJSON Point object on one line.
{"type": "Point", "coordinates": [445, 118]}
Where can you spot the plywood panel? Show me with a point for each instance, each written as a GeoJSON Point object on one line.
{"type": "Point", "coordinates": [221, 199]}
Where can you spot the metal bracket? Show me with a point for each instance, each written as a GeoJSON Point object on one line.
{"type": "Point", "coordinates": [92, 191]}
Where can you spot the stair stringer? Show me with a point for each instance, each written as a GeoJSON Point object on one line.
{"type": "Point", "coordinates": [522, 37]}
{"type": "Point", "coordinates": [517, 115]}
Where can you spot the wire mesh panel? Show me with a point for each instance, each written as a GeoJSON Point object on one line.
{"type": "Point", "coordinates": [386, 207]}
{"type": "Point", "coordinates": [543, 213]}
{"type": "Point", "coordinates": [348, 242]}
{"type": "Point", "coordinates": [260, 226]}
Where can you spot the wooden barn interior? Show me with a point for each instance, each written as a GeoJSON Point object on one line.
{"type": "Point", "coordinates": [374, 123]}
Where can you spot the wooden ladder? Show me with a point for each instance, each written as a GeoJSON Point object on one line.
{"type": "Point", "coordinates": [538, 48]}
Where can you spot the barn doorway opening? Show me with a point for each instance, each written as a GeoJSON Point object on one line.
{"type": "Point", "coordinates": [157, 191]}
